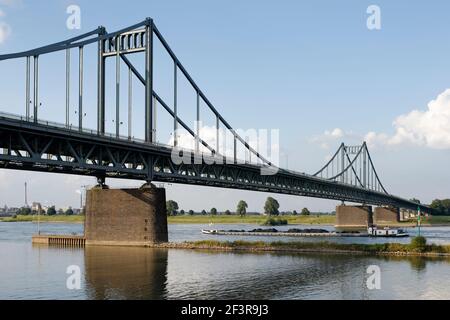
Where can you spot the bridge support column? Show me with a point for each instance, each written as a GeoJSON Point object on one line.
{"type": "Point", "coordinates": [386, 215]}
{"type": "Point", "coordinates": [353, 217]}
{"type": "Point", "coordinates": [101, 183]}
{"type": "Point", "coordinates": [131, 217]}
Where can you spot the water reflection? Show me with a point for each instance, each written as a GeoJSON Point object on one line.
{"type": "Point", "coordinates": [39, 272]}
{"type": "Point", "coordinates": [418, 264]}
{"type": "Point", "coordinates": [125, 273]}
{"type": "Point", "coordinates": [300, 276]}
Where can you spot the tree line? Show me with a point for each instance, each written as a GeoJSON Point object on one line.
{"type": "Point", "coordinates": [51, 211]}
{"type": "Point", "coordinates": [271, 207]}
{"type": "Point", "coordinates": [442, 206]}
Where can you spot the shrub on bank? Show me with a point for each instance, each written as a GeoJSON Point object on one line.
{"type": "Point", "coordinates": [275, 222]}
{"type": "Point", "coordinates": [418, 244]}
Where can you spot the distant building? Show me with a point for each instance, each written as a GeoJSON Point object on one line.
{"type": "Point", "coordinates": [406, 214]}
{"type": "Point", "coordinates": [8, 211]}
{"type": "Point", "coordinates": [12, 210]}
{"type": "Point", "coordinates": [37, 207]}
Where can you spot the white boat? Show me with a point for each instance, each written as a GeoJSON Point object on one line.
{"type": "Point", "coordinates": [374, 231]}
{"type": "Point", "coordinates": [209, 231]}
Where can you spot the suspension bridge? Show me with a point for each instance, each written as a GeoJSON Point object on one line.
{"type": "Point", "coordinates": [29, 142]}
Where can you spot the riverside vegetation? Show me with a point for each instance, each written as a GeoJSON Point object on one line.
{"type": "Point", "coordinates": [194, 219]}
{"type": "Point", "coordinates": [45, 218]}
{"type": "Point", "coordinates": [418, 246]}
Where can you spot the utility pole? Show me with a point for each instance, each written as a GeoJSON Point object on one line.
{"type": "Point", "coordinates": [26, 200]}
{"type": "Point", "coordinates": [81, 197]}
{"type": "Point", "coordinates": [39, 219]}
{"type": "Point", "coordinates": [418, 219]}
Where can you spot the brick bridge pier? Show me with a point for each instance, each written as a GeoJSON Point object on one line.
{"type": "Point", "coordinates": [126, 216]}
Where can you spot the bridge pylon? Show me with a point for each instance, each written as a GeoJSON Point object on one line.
{"type": "Point", "coordinates": [352, 165]}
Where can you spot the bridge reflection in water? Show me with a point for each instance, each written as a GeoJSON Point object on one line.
{"type": "Point", "coordinates": [144, 273]}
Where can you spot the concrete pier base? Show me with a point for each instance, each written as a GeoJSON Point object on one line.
{"type": "Point", "coordinates": [58, 240]}
{"type": "Point", "coordinates": [386, 215]}
{"type": "Point", "coordinates": [353, 217]}
{"type": "Point", "coordinates": [130, 217]}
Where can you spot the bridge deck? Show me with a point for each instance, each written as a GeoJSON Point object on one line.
{"type": "Point", "coordinates": [49, 148]}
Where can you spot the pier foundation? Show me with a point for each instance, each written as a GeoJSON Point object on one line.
{"type": "Point", "coordinates": [131, 217]}
{"type": "Point", "coordinates": [386, 215]}
{"type": "Point", "coordinates": [353, 217]}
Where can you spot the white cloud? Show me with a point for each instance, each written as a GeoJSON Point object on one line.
{"type": "Point", "coordinates": [5, 31]}
{"type": "Point", "coordinates": [330, 138]}
{"type": "Point", "coordinates": [374, 139]}
{"type": "Point", "coordinates": [5, 28]}
{"type": "Point", "coordinates": [429, 128]}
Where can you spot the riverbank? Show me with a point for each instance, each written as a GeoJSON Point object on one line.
{"type": "Point", "coordinates": [253, 219]}
{"type": "Point", "coordinates": [325, 220]}
{"type": "Point", "coordinates": [45, 218]}
{"type": "Point", "coordinates": [186, 219]}
{"type": "Point", "coordinates": [393, 249]}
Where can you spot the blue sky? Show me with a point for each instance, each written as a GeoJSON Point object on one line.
{"type": "Point", "coordinates": [304, 67]}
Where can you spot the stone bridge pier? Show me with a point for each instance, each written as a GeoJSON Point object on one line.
{"type": "Point", "coordinates": [131, 217]}
{"type": "Point", "coordinates": [386, 215]}
{"type": "Point", "coordinates": [353, 217]}
{"type": "Point", "coordinates": [358, 217]}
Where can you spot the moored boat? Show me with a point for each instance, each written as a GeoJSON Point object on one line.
{"type": "Point", "coordinates": [209, 231]}
{"type": "Point", "coordinates": [374, 231]}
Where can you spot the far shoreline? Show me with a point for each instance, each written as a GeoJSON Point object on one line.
{"type": "Point", "coordinates": [318, 220]}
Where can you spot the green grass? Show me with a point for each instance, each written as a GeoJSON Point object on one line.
{"type": "Point", "coordinates": [436, 220]}
{"type": "Point", "coordinates": [222, 219]}
{"type": "Point", "coordinates": [44, 218]}
{"type": "Point", "coordinates": [426, 221]}
{"type": "Point", "coordinates": [326, 246]}
{"type": "Point", "coordinates": [219, 219]}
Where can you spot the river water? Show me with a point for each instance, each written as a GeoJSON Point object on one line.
{"type": "Point", "coordinates": [40, 272]}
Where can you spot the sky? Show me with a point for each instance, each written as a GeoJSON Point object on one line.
{"type": "Point", "coordinates": [314, 70]}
